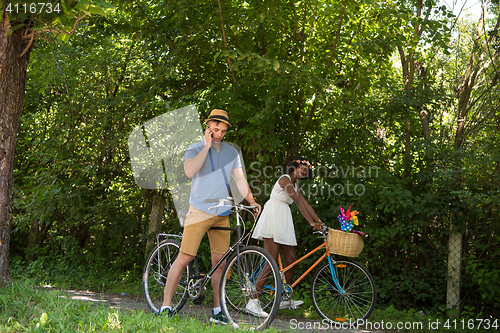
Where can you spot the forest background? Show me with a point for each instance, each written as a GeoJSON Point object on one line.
{"type": "Point", "coordinates": [396, 102]}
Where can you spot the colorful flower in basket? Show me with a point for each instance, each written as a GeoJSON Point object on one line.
{"type": "Point", "coordinates": [348, 219]}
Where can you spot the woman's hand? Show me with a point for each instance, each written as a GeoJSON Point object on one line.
{"type": "Point", "coordinates": [317, 225]}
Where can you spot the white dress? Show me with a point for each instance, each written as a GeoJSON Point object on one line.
{"type": "Point", "coordinates": [276, 218]}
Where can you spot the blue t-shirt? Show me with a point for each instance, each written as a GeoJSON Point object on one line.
{"type": "Point", "coordinates": [212, 180]}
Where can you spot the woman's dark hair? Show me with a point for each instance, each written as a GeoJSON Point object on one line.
{"type": "Point", "coordinates": [294, 164]}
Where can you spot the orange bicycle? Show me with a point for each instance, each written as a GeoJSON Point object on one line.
{"type": "Point", "coordinates": [341, 289]}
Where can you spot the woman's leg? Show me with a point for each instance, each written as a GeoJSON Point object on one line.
{"type": "Point", "coordinates": [273, 249]}
{"type": "Point", "coordinates": [290, 257]}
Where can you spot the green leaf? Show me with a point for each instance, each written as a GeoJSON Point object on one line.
{"type": "Point", "coordinates": [276, 64]}
{"type": "Point", "coordinates": [43, 319]}
{"type": "Point", "coordinates": [82, 8]}
{"type": "Point", "coordinates": [65, 9]}
{"type": "Point", "coordinates": [98, 11]}
{"type": "Point", "coordinates": [63, 37]}
{"type": "Point", "coordinates": [104, 4]}
{"type": "Point", "coordinates": [11, 31]}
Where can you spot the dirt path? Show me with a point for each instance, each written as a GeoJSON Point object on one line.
{"type": "Point", "coordinates": [134, 302]}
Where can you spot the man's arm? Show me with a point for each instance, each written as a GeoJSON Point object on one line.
{"type": "Point", "coordinates": [243, 187]}
{"type": "Point", "coordinates": [194, 164]}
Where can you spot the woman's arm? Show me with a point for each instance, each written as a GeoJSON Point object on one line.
{"type": "Point", "coordinates": [310, 209]}
{"type": "Point", "coordinates": [297, 197]}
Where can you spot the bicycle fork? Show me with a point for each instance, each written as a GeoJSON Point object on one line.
{"type": "Point", "coordinates": [333, 273]}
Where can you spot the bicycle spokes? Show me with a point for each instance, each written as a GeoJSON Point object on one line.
{"type": "Point", "coordinates": [342, 291]}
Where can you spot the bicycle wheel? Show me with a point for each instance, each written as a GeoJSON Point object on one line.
{"type": "Point", "coordinates": [155, 274]}
{"type": "Point", "coordinates": [238, 285]}
{"type": "Point", "coordinates": [356, 298]}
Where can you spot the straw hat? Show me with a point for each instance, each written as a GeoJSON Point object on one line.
{"type": "Point", "coordinates": [218, 115]}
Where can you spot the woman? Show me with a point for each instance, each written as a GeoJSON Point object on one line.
{"type": "Point", "coordinates": [275, 226]}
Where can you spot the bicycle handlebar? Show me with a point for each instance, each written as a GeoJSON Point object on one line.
{"type": "Point", "coordinates": [222, 201]}
{"type": "Point", "coordinates": [324, 229]}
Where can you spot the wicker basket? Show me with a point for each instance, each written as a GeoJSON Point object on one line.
{"type": "Point", "coordinates": [344, 244]}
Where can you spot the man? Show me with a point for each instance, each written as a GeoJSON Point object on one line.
{"type": "Point", "coordinates": [210, 163]}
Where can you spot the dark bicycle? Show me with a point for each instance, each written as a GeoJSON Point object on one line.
{"type": "Point", "coordinates": [237, 284]}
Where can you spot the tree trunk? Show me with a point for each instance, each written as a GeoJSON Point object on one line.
{"type": "Point", "coordinates": [455, 242]}
{"type": "Point", "coordinates": [12, 87]}
{"type": "Point", "coordinates": [155, 219]}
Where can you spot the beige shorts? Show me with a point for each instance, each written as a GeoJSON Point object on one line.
{"type": "Point", "coordinates": [197, 224]}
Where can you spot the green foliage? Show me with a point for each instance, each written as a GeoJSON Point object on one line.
{"type": "Point", "coordinates": [58, 17]}
{"type": "Point", "coordinates": [64, 272]}
{"type": "Point", "coordinates": [322, 79]}
{"type": "Point", "coordinates": [486, 276]}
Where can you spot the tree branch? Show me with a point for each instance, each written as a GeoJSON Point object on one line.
{"type": "Point", "coordinates": [225, 45]}
{"type": "Point", "coordinates": [334, 46]}
{"type": "Point", "coordinates": [31, 37]}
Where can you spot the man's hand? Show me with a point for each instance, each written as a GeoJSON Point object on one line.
{"type": "Point", "coordinates": [208, 137]}
{"type": "Point", "coordinates": [256, 210]}
{"type": "Point", "coordinates": [193, 165]}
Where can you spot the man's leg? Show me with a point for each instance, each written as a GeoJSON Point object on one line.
{"type": "Point", "coordinates": [216, 278]}
{"type": "Point", "coordinates": [174, 276]}
{"type": "Point", "coordinates": [195, 226]}
{"type": "Point", "coordinates": [219, 243]}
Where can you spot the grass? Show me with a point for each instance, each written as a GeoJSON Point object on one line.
{"type": "Point", "coordinates": [24, 308]}
{"type": "Point", "coordinates": [388, 319]}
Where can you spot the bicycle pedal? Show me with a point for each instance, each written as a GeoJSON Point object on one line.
{"type": "Point", "coordinates": [291, 308]}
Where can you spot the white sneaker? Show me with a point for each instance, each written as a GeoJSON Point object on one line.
{"type": "Point", "coordinates": [253, 307]}
{"type": "Point", "coordinates": [291, 304]}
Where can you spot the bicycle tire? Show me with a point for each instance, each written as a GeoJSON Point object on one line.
{"type": "Point", "coordinates": [155, 275]}
{"type": "Point", "coordinates": [356, 302]}
{"type": "Point", "coordinates": [235, 293]}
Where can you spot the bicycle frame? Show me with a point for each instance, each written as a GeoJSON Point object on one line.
{"type": "Point", "coordinates": [326, 254]}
